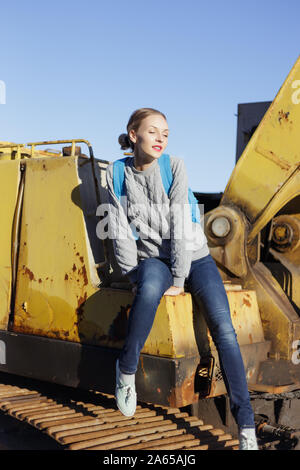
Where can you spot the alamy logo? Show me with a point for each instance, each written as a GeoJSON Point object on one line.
{"type": "Point", "coordinates": [2, 92]}
{"type": "Point", "coordinates": [2, 352]}
{"type": "Point", "coordinates": [296, 94]}
{"type": "Point", "coordinates": [296, 353]}
{"type": "Point", "coordinates": [149, 223]}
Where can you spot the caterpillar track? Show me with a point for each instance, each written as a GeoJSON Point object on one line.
{"type": "Point", "coordinates": [75, 419]}
{"type": "Point", "coordinates": [79, 420]}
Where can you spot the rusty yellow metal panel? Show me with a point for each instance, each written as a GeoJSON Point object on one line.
{"type": "Point", "coordinates": [9, 183]}
{"type": "Point", "coordinates": [245, 317]}
{"type": "Point", "coordinates": [56, 273]}
{"type": "Point", "coordinates": [278, 316]}
{"type": "Point", "coordinates": [267, 174]}
{"type": "Point", "coordinates": [173, 329]}
{"type": "Point", "coordinates": [247, 323]}
{"type": "Point", "coordinates": [104, 319]}
{"type": "Point", "coordinates": [172, 334]}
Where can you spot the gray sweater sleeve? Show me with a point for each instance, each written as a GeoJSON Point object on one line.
{"type": "Point", "coordinates": [124, 244]}
{"type": "Point", "coordinates": [180, 223]}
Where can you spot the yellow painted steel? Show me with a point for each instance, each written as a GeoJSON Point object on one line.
{"type": "Point", "coordinates": [9, 182]}
{"type": "Point", "coordinates": [56, 273]}
{"type": "Point", "coordinates": [264, 187]}
{"type": "Point", "coordinates": [267, 175]}
{"type": "Point", "coordinates": [13, 151]}
{"type": "Point", "coordinates": [247, 323]}
{"type": "Point", "coordinates": [172, 334]}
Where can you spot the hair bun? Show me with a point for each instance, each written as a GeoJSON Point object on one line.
{"type": "Point", "coordinates": [124, 141]}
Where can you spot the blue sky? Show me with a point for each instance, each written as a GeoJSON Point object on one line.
{"type": "Point", "coordinates": [77, 69]}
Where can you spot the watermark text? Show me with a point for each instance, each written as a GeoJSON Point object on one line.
{"type": "Point", "coordinates": [296, 353]}
{"type": "Point", "coordinates": [159, 222]}
{"type": "Point", "coordinates": [296, 94]}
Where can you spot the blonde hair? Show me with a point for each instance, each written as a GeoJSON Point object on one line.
{"type": "Point", "coordinates": [134, 123]}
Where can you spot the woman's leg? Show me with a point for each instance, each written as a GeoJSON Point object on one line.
{"type": "Point", "coordinates": [153, 279]}
{"type": "Point", "coordinates": [206, 286]}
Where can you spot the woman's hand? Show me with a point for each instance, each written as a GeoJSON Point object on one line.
{"type": "Point", "coordinates": [173, 290]}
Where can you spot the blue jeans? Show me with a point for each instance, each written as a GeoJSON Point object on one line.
{"type": "Point", "coordinates": [206, 287]}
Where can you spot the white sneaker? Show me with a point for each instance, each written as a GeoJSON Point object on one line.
{"type": "Point", "coordinates": [247, 439]}
{"type": "Point", "coordinates": [125, 395]}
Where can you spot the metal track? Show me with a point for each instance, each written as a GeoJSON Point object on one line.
{"type": "Point", "coordinates": [79, 420]}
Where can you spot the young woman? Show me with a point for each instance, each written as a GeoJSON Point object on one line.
{"type": "Point", "coordinates": [158, 262]}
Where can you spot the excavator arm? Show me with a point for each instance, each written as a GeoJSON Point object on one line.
{"type": "Point", "coordinates": [254, 234]}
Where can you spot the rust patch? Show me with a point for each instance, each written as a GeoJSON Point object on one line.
{"type": "Point", "coordinates": [81, 258]}
{"type": "Point", "coordinates": [142, 366]}
{"type": "Point", "coordinates": [184, 394]}
{"type": "Point", "coordinates": [81, 299]}
{"type": "Point", "coordinates": [66, 277]}
{"type": "Point", "coordinates": [40, 280]}
{"type": "Point", "coordinates": [82, 272]}
{"type": "Point", "coordinates": [79, 309]}
{"type": "Point", "coordinates": [283, 116]}
{"type": "Point", "coordinates": [58, 334]}
{"type": "Point", "coordinates": [250, 338]}
{"type": "Point", "coordinates": [74, 267]}
{"type": "Point", "coordinates": [29, 273]}
{"type": "Point", "coordinates": [246, 302]}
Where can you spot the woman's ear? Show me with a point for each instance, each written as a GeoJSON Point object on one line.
{"type": "Point", "coordinates": [132, 136]}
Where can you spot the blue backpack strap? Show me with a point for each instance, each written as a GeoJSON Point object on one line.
{"type": "Point", "coordinates": [195, 212]}
{"type": "Point", "coordinates": [166, 171]}
{"type": "Point", "coordinates": [119, 185]}
{"type": "Point", "coordinates": [167, 179]}
{"type": "Point", "coordinates": [119, 177]}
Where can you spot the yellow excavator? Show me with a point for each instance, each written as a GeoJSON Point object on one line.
{"type": "Point", "coordinates": [64, 304]}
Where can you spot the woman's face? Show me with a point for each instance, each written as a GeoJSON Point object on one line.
{"type": "Point", "coordinates": [151, 138]}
